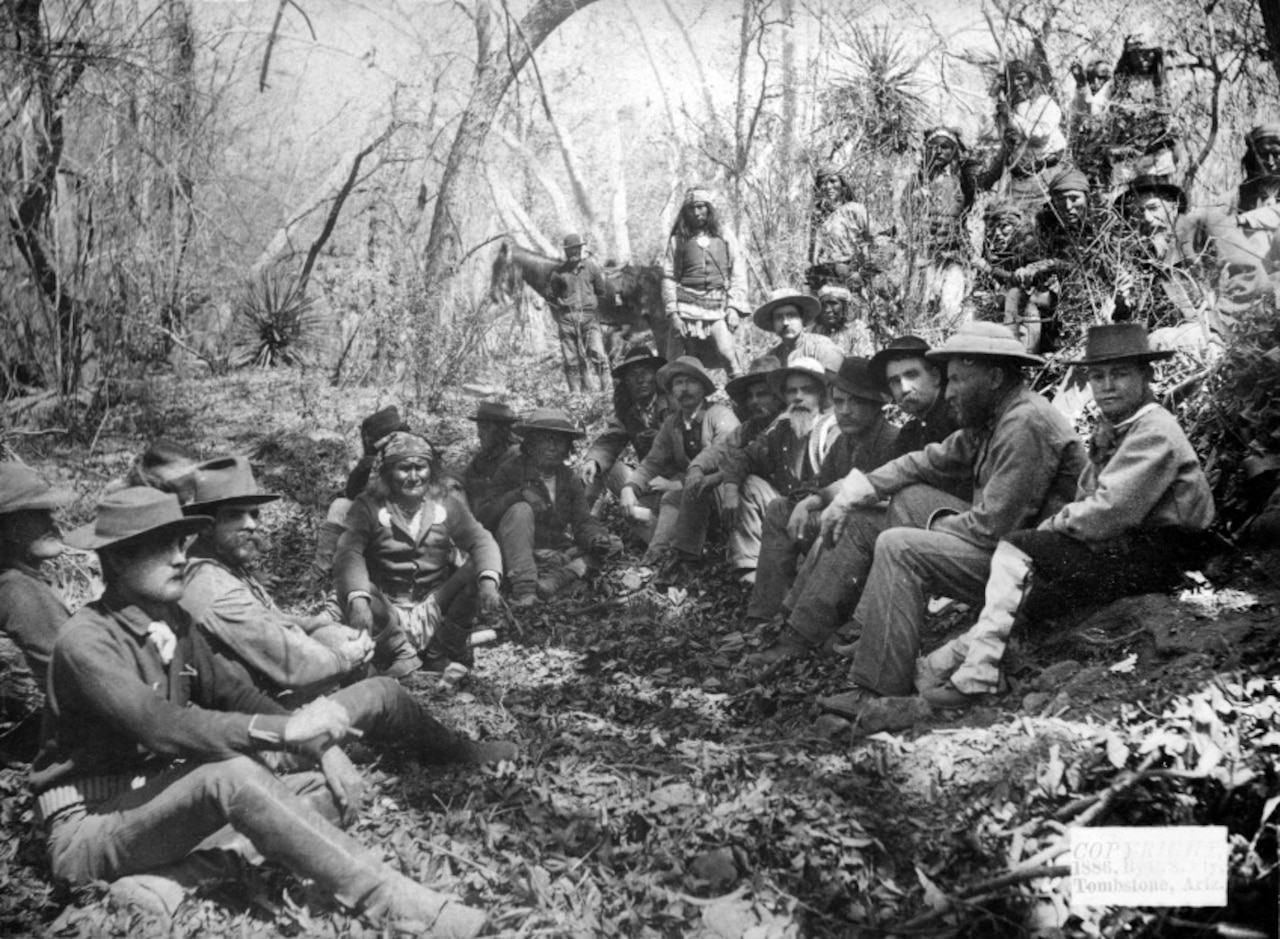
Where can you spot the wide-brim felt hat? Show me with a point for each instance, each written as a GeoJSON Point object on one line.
{"type": "Point", "coordinates": [797, 365]}
{"type": "Point", "coordinates": [23, 489]}
{"type": "Point", "coordinates": [129, 514]}
{"type": "Point", "coordinates": [759, 370]}
{"type": "Point", "coordinates": [984, 341]}
{"type": "Point", "coordinates": [549, 421]}
{"type": "Point", "coordinates": [380, 423]}
{"type": "Point", "coordinates": [1154, 184]}
{"type": "Point", "coordinates": [494, 411]}
{"type": "Point", "coordinates": [685, 365]}
{"type": "Point", "coordinates": [856, 377]}
{"type": "Point", "coordinates": [1119, 342]}
{"type": "Point", "coordinates": [808, 306]}
{"type": "Point", "coordinates": [638, 355]}
{"type": "Point", "coordinates": [900, 347]}
{"type": "Point", "coordinates": [225, 481]}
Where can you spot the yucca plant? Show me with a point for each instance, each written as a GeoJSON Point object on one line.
{"type": "Point", "coordinates": [276, 323]}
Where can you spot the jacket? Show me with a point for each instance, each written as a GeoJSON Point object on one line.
{"type": "Point", "coordinates": [32, 615]}
{"type": "Point", "coordinates": [815, 346]}
{"type": "Point", "coordinates": [115, 708]}
{"type": "Point", "coordinates": [630, 425]}
{"type": "Point", "coordinates": [865, 452]}
{"type": "Point", "coordinates": [568, 518]}
{"type": "Point", "coordinates": [1022, 466]}
{"type": "Point", "coordinates": [478, 474]}
{"type": "Point", "coordinates": [667, 456]}
{"type": "Point", "coordinates": [770, 455]}
{"type": "Point", "coordinates": [1142, 473]}
{"type": "Point", "coordinates": [577, 286]}
{"type": "Point", "coordinates": [377, 551]}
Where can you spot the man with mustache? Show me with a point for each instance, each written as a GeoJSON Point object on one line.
{"type": "Point", "coordinates": [679, 531]}
{"type": "Point", "coordinates": [788, 315]}
{"type": "Point", "coordinates": [1157, 283]}
{"type": "Point", "coordinates": [790, 525]}
{"type": "Point", "coordinates": [778, 461]}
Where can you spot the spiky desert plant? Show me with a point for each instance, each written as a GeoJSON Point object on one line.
{"type": "Point", "coordinates": [276, 323]}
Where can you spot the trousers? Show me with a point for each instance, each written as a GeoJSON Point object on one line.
{"type": "Point", "coordinates": [755, 496]}
{"type": "Point", "coordinates": [582, 350]}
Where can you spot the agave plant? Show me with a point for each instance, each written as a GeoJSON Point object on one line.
{"type": "Point", "coordinates": [276, 323]}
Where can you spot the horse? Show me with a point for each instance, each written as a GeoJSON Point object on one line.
{"type": "Point", "coordinates": [632, 307]}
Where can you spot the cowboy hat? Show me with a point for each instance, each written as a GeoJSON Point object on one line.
{"type": "Point", "coordinates": [638, 355]}
{"type": "Point", "coordinates": [129, 514]}
{"type": "Point", "coordinates": [801, 365]}
{"type": "Point", "coordinates": [900, 347]}
{"type": "Point", "coordinates": [688, 366]}
{"type": "Point", "coordinates": [224, 481]}
{"type": "Point", "coordinates": [984, 341]}
{"type": "Point", "coordinates": [1154, 184]}
{"type": "Point", "coordinates": [759, 370]}
{"type": "Point", "coordinates": [551, 421]}
{"type": "Point", "coordinates": [1119, 342]}
{"type": "Point", "coordinates": [494, 411]}
{"type": "Point", "coordinates": [857, 377]}
{"type": "Point", "coordinates": [22, 488]}
{"type": "Point", "coordinates": [808, 306]}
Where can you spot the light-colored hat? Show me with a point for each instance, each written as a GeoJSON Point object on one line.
{"type": "Point", "coordinates": [801, 365]}
{"type": "Point", "coordinates": [689, 366]}
{"type": "Point", "coordinates": [22, 488]}
{"type": "Point", "coordinates": [550, 421]}
{"type": "Point", "coordinates": [784, 296]}
{"type": "Point", "coordinates": [1119, 342]}
{"type": "Point", "coordinates": [128, 514]}
{"type": "Point", "coordinates": [224, 481]}
{"type": "Point", "coordinates": [984, 341]}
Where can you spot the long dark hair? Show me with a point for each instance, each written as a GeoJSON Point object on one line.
{"type": "Point", "coordinates": [681, 230]}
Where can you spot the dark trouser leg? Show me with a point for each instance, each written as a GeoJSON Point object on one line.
{"type": "Point", "coordinates": [390, 715]}
{"type": "Point", "coordinates": [776, 567]}
{"type": "Point", "coordinates": [567, 333]}
{"type": "Point", "coordinates": [596, 360]}
{"type": "Point", "coordinates": [690, 534]}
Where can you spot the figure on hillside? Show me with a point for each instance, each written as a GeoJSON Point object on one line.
{"type": "Point", "coordinates": [838, 321]}
{"type": "Point", "coordinates": [159, 757]}
{"type": "Point", "coordinates": [31, 611]}
{"type": "Point", "coordinates": [789, 316]}
{"type": "Point", "coordinates": [841, 232]}
{"type": "Point", "coordinates": [639, 408]}
{"type": "Point", "coordinates": [1261, 152]}
{"type": "Point", "coordinates": [704, 284]}
{"type": "Point", "coordinates": [786, 525]}
{"type": "Point", "coordinates": [917, 386]}
{"type": "Point", "coordinates": [1009, 244]}
{"type": "Point", "coordinates": [1136, 129]}
{"type": "Point", "coordinates": [783, 458]}
{"type": "Point", "coordinates": [654, 492]}
{"type": "Point", "coordinates": [934, 210]}
{"type": "Point", "coordinates": [1093, 89]}
{"type": "Point", "coordinates": [395, 562]}
{"type": "Point", "coordinates": [1030, 124]}
{"type": "Point", "coordinates": [495, 428]}
{"type": "Point", "coordinates": [1020, 456]}
{"type": "Point", "coordinates": [1136, 522]}
{"type": "Point", "coordinates": [539, 512]}
{"type": "Point", "coordinates": [575, 291]}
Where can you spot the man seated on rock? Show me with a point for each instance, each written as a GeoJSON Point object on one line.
{"type": "Point", "coordinates": [654, 492]}
{"type": "Point", "coordinates": [791, 523]}
{"type": "Point", "coordinates": [494, 427]}
{"type": "Point", "coordinates": [639, 408]}
{"type": "Point", "coordinates": [375, 431]}
{"type": "Point", "coordinates": [31, 613]}
{"type": "Point", "coordinates": [789, 315]}
{"type": "Point", "coordinates": [539, 513]}
{"type": "Point", "coordinates": [1016, 453]}
{"type": "Point", "coordinates": [1022, 458]}
{"type": "Point", "coordinates": [1142, 504]}
{"type": "Point", "coordinates": [902, 371]}
{"type": "Point", "coordinates": [158, 754]}
{"type": "Point", "coordinates": [780, 460]}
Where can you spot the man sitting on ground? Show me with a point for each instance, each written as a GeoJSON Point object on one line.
{"type": "Point", "coordinates": [679, 530]}
{"type": "Point", "coordinates": [155, 750]}
{"type": "Point", "coordinates": [1142, 504]}
{"type": "Point", "coordinates": [779, 461]}
{"type": "Point", "coordinates": [494, 427]}
{"type": "Point", "coordinates": [539, 512]}
{"type": "Point", "coordinates": [918, 387]}
{"type": "Point", "coordinates": [788, 315]}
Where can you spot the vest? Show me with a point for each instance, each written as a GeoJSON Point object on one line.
{"type": "Point", "coordinates": [699, 268]}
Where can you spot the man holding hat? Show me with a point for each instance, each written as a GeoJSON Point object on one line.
{"type": "Point", "coordinates": [494, 423]}
{"type": "Point", "coordinates": [574, 291]}
{"type": "Point", "coordinates": [790, 526]}
{"type": "Point", "coordinates": [155, 750]}
{"type": "Point", "coordinates": [679, 530]}
{"type": "Point", "coordinates": [1139, 512]}
{"type": "Point", "coordinates": [788, 315]}
{"type": "Point", "coordinates": [780, 460]}
{"type": "Point", "coordinates": [704, 283]}
{"type": "Point", "coordinates": [639, 408]}
{"type": "Point", "coordinates": [538, 510]}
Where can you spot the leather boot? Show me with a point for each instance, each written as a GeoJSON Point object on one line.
{"type": "Point", "coordinates": [449, 644]}
{"type": "Point", "coordinates": [406, 904]}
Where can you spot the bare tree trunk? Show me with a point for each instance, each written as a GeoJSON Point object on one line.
{"type": "Point", "coordinates": [789, 84]}
{"type": "Point", "coordinates": [538, 170]}
{"type": "Point", "coordinates": [1270, 10]}
{"type": "Point", "coordinates": [618, 178]}
{"type": "Point", "coordinates": [513, 215]}
{"type": "Point", "coordinates": [495, 71]}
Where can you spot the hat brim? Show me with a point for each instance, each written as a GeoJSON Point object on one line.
{"type": "Point", "coordinates": [491, 419]}
{"type": "Point", "coordinates": [667, 374]}
{"type": "Point", "coordinates": [85, 538]}
{"type": "Point", "coordinates": [1155, 355]}
{"type": "Point", "coordinates": [1024, 358]}
{"type": "Point", "coordinates": [524, 429]}
{"type": "Point", "coordinates": [809, 310]}
{"type": "Point", "coordinates": [736, 387]}
{"type": "Point", "coordinates": [48, 500]}
{"type": "Point", "coordinates": [621, 368]}
{"type": "Point", "coordinates": [204, 508]}
{"type": "Point", "coordinates": [880, 361]}
{"type": "Point", "coordinates": [778, 378]}
{"type": "Point", "coordinates": [866, 394]}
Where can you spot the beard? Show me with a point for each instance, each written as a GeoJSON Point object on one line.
{"type": "Point", "coordinates": [801, 420]}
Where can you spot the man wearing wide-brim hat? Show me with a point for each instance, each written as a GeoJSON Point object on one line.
{"type": "Point", "coordinates": [788, 314]}
{"type": "Point", "coordinates": [574, 291]}
{"type": "Point", "coordinates": [866, 440]}
{"type": "Point", "coordinates": [1165, 293]}
{"type": "Point", "coordinates": [1022, 458]}
{"type": "Point", "coordinates": [654, 492]}
{"type": "Point", "coordinates": [1137, 521]}
{"type": "Point", "coordinates": [538, 511]}
{"type": "Point", "coordinates": [903, 371]}
{"type": "Point", "coordinates": [495, 428]}
{"type": "Point", "coordinates": [153, 742]}
{"type": "Point", "coordinates": [639, 408]}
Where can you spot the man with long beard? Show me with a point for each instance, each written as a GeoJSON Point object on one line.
{"type": "Point", "coordinates": [778, 461]}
